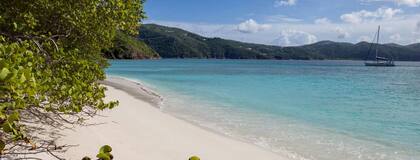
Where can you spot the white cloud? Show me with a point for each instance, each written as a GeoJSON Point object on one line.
{"type": "Point", "coordinates": [294, 37]}
{"type": "Point", "coordinates": [364, 39]}
{"type": "Point", "coordinates": [395, 38]}
{"type": "Point", "coordinates": [404, 24]}
{"type": "Point", "coordinates": [322, 21]}
{"type": "Point", "coordinates": [342, 34]}
{"type": "Point", "coordinates": [363, 15]}
{"type": "Point", "coordinates": [281, 18]}
{"type": "Point", "coordinates": [251, 26]}
{"type": "Point", "coordinates": [279, 3]}
{"type": "Point", "coordinates": [411, 3]}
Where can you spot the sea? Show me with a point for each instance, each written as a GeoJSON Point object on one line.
{"type": "Point", "coordinates": [305, 110]}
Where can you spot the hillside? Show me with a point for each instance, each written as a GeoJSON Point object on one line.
{"type": "Point", "coordinates": [177, 43]}
{"type": "Point", "coordinates": [414, 46]}
{"type": "Point", "coordinates": [128, 47]}
{"type": "Point", "coordinates": [337, 50]}
{"type": "Point", "coordinates": [172, 42]}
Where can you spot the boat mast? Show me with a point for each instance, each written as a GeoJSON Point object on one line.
{"type": "Point", "coordinates": [377, 42]}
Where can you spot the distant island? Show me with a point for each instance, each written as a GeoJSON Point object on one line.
{"type": "Point", "coordinates": [156, 41]}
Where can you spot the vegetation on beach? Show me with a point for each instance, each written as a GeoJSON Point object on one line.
{"type": "Point", "coordinates": [50, 64]}
{"type": "Point", "coordinates": [104, 153]}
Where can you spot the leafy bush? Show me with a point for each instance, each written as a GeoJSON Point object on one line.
{"type": "Point", "coordinates": [51, 61]}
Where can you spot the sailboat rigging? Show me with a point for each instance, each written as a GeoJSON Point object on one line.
{"type": "Point", "coordinates": [379, 61]}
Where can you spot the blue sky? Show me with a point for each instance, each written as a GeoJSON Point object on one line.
{"type": "Point", "coordinates": [291, 22]}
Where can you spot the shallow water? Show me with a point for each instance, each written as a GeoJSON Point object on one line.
{"type": "Point", "coordinates": [317, 110]}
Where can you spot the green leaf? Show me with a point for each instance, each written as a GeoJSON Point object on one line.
{"type": "Point", "coordinates": [7, 127]}
{"type": "Point", "coordinates": [194, 158]}
{"type": "Point", "coordinates": [15, 26]}
{"type": "Point", "coordinates": [3, 73]}
{"type": "Point", "coordinates": [13, 117]}
{"type": "Point", "coordinates": [22, 78]}
{"type": "Point", "coordinates": [105, 149]}
{"type": "Point", "coordinates": [2, 145]}
{"type": "Point", "coordinates": [103, 156]}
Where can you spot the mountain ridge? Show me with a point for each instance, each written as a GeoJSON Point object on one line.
{"type": "Point", "coordinates": [172, 42]}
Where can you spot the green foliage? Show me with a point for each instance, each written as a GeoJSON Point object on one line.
{"type": "Point", "coordinates": [194, 158]}
{"type": "Point", "coordinates": [177, 43]}
{"type": "Point", "coordinates": [50, 56]}
{"type": "Point", "coordinates": [105, 149]}
{"type": "Point", "coordinates": [2, 146]}
{"type": "Point", "coordinates": [128, 47]}
{"type": "Point", "coordinates": [103, 154]}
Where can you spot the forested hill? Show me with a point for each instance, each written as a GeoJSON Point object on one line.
{"type": "Point", "coordinates": [171, 42]}
{"type": "Point", "coordinates": [128, 47]}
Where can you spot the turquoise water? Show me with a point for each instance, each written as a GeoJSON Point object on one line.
{"type": "Point", "coordinates": [315, 110]}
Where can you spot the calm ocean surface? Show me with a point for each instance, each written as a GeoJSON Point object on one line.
{"type": "Point", "coordinates": [308, 110]}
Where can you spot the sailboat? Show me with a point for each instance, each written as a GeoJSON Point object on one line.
{"type": "Point", "coordinates": [379, 61]}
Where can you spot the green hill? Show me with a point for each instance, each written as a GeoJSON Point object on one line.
{"type": "Point", "coordinates": [172, 42]}
{"type": "Point", "coordinates": [128, 47]}
{"type": "Point", "coordinates": [414, 46]}
{"type": "Point", "coordinates": [177, 43]}
{"type": "Point", "coordinates": [359, 51]}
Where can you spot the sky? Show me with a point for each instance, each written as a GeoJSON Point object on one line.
{"type": "Point", "coordinates": [292, 22]}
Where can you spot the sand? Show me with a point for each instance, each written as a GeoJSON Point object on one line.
{"type": "Point", "coordinates": [138, 130]}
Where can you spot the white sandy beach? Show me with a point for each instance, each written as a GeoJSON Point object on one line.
{"type": "Point", "coordinates": [138, 130]}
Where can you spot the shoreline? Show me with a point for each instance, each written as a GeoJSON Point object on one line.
{"type": "Point", "coordinates": [134, 88]}
{"type": "Point", "coordinates": [156, 100]}
{"type": "Point", "coordinates": [155, 134]}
